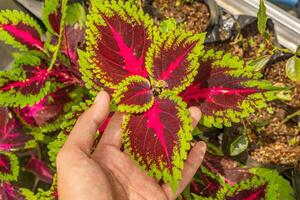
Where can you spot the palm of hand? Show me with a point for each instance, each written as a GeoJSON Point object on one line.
{"type": "Point", "coordinates": [109, 173]}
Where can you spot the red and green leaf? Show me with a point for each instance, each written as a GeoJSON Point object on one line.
{"type": "Point", "coordinates": [12, 135]}
{"type": "Point", "coordinates": [248, 194]}
{"type": "Point", "coordinates": [160, 147]}
{"type": "Point", "coordinates": [283, 186]}
{"type": "Point", "coordinates": [134, 95]}
{"type": "Point", "coordinates": [205, 186]}
{"type": "Point", "coordinates": [48, 113]}
{"type": "Point", "coordinates": [40, 169]}
{"type": "Point", "coordinates": [26, 84]}
{"type": "Point", "coordinates": [67, 73]}
{"type": "Point", "coordinates": [54, 14]}
{"type": "Point", "coordinates": [226, 167]}
{"type": "Point", "coordinates": [11, 192]}
{"type": "Point", "coordinates": [91, 82]}
{"type": "Point", "coordinates": [45, 111]}
{"type": "Point", "coordinates": [72, 37]}
{"type": "Point", "coordinates": [173, 59]}
{"type": "Point", "coordinates": [250, 189]}
{"type": "Point", "coordinates": [20, 30]}
{"type": "Point", "coordinates": [226, 89]}
{"type": "Point", "coordinates": [118, 36]}
{"type": "Point", "coordinates": [9, 166]}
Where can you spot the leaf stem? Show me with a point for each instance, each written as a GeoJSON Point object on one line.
{"type": "Point", "coordinates": [289, 117]}
{"type": "Point", "coordinates": [284, 50]}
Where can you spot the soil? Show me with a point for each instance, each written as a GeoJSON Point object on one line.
{"type": "Point", "coordinates": [192, 16]}
{"type": "Point", "coordinates": [248, 44]}
{"type": "Point", "coordinates": [272, 140]}
{"type": "Point", "coordinates": [279, 140]}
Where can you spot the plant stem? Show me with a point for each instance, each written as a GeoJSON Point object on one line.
{"type": "Point", "coordinates": [282, 50]}
{"type": "Point", "coordinates": [289, 117]}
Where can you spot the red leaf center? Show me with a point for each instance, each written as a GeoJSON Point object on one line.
{"type": "Point", "coordinates": [132, 65]}
{"type": "Point", "coordinates": [155, 123]}
{"type": "Point", "coordinates": [24, 35]}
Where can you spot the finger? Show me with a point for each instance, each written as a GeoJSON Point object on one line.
{"type": "Point", "coordinates": [112, 133]}
{"type": "Point", "coordinates": [191, 165]}
{"type": "Point", "coordinates": [83, 134]}
{"type": "Point", "coordinates": [195, 114]}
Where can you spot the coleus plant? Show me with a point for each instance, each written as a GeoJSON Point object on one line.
{"type": "Point", "coordinates": [154, 76]}
{"type": "Point", "coordinates": [37, 71]}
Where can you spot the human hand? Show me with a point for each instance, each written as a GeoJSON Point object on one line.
{"type": "Point", "coordinates": [108, 173]}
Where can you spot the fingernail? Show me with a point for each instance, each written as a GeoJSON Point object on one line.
{"type": "Point", "coordinates": [195, 113]}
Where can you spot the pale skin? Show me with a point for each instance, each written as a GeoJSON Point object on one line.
{"type": "Point", "coordinates": [108, 173]}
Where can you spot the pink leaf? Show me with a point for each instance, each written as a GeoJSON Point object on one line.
{"type": "Point", "coordinates": [10, 192]}
{"type": "Point", "coordinates": [211, 90]}
{"type": "Point", "coordinates": [12, 134]}
{"type": "Point", "coordinates": [24, 34]}
{"type": "Point", "coordinates": [36, 78]}
{"type": "Point", "coordinates": [215, 89]}
{"type": "Point", "coordinates": [40, 169]}
{"type": "Point", "coordinates": [46, 110]}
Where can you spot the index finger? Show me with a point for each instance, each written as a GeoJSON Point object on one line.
{"type": "Point", "coordinates": [83, 134]}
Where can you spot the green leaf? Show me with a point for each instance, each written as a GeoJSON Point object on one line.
{"type": "Point", "coordinates": [33, 82]}
{"type": "Point", "coordinates": [76, 14]}
{"type": "Point", "coordinates": [239, 145]}
{"type": "Point", "coordinates": [298, 51]}
{"type": "Point", "coordinates": [272, 176]}
{"type": "Point", "coordinates": [167, 25]}
{"type": "Point", "coordinates": [293, 141]}
{"type": "Point", "coordinates": [9, 166]}
{"type": "Point", "coordinates": [262, 18]}
{"type": "Point", "coordinates": [292, 68]}
{"type": "Point", "coordinates": [260, 62]}
{"type": "Point", "coordinates": [284, 95]}
{"type": "Point", "coordinates": [20, 30]}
